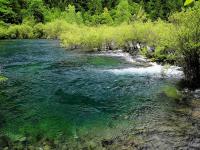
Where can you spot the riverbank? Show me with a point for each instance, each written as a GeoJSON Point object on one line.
{"type": "Point", "coordinates": [158, 34]}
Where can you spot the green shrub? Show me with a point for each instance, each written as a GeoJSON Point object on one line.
{"type": "Point", "coordinates": [25, 31]}
{"type": "Point", "coordinates": [22, 31]}
{"type": "Point", "coordinates": [96, 37]}
{"type": "Point", "coordinates": [13, 32]}
{"type": "Point", "coordinates": [188, 33]}
{"type": "Point", "coordinates": [54, 29]}
{"type": "Point", "coordinates": [3, 33]}
{"type": "Point", "coordinates": [38, 30]}
{"type": "Point", "coordinates": [157, 34]}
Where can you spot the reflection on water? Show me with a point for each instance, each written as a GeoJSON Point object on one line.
{"type": "Point", "coordinates": [53, 92]}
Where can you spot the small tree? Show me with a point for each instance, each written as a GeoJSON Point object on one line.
{"type": "Point", "coordinates": [10, 11]}
{"type": "Point", "coordinates": [71, 13]}
{"type": "Point", "coordinates": [95, 6]}
{"type": "Point", "coordinates": [123, 12]}
{"type": "Point", "coordinates": [188, 27]}
{"type": "Point", "coordinates": [106, 17]}
{"type": "Point", "coordinates": [36, 8]}
{"type": "Point", "coordinates": [79, 18]}
{"type": "Point", "coordinates": [72, 16]}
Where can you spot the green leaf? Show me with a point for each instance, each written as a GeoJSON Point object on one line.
{"type": "Point", "coordinates": [188, 2]}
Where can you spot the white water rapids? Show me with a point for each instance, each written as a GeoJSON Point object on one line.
{"type": "Point", "coordinates": [145, 66]}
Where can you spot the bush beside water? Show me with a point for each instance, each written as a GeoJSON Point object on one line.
{"type": "Point", "coordinates": [157, 34]}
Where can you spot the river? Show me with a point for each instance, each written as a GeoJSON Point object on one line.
{"type": "Point", "coordinates": [81, 99]}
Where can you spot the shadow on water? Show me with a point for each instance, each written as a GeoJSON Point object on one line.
{"type": "Point", "coordinates": [74, 99]}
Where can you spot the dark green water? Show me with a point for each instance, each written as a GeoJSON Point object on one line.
{"type": "Point", "coordinates": [51, 91]}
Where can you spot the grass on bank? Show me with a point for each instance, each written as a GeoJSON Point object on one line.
{"type": "Point", "coordinates": [160, 35]}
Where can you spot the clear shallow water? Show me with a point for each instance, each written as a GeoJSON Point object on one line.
{"type": "Point", "coordinates": [55, 92]}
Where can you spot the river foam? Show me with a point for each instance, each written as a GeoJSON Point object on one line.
{"type": "Point", "coordinates": [142, 66]}
{"type": "Point", "coordinates": [118, 53]}
{"type": "Point", "coordinates": [155, 69]}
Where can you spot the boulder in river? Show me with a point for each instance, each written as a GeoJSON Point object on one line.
{"type": "Point", "coordinates": [132, 47]}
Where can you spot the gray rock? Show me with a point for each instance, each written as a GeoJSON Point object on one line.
{"type": "Point", "coordinates": [132, 47]}
{"type": "Point", "coordinates": [150, 49]}
{"type": "Point", "coordinates": [196, 93]}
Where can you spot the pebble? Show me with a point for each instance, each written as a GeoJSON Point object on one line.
{"type": "Point", "coordinates": [126, 117]}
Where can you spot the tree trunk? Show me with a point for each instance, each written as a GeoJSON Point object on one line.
{"type": "Point", "coordinates": [192, 69]}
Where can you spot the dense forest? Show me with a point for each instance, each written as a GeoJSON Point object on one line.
{"type": "Point", "coordinates": [170, 27]}
{"type": "Point", "coordinates": [15, 11]}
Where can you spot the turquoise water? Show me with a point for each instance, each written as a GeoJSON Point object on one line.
{"type": "Point", "coordinates": [52, 91]}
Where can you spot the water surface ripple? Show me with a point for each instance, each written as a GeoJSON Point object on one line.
{"type": "Point", "coordinates": [53, 91]}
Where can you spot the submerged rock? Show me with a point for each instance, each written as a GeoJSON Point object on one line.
{"type": "Point", "coordinates": [106, 143]}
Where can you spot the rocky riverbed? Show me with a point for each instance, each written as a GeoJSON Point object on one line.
{"type": "Point", "coordinates": [179, 130]}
